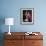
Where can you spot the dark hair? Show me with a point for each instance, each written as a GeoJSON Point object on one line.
{"type": "Point", "coordinates": [24, 11]}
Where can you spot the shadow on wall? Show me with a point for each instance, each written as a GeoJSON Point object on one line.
{"type": "Point", "coordinates": [2, 21]}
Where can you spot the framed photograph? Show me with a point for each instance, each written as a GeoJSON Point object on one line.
{"type": "Point", "coordinates": [27, 15]}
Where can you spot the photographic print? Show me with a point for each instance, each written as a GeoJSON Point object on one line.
{"type": "Point", "coordinates": [27, 15]}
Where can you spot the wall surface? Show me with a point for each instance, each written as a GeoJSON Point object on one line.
{"type": "Point", "coordinates": [11, 8]}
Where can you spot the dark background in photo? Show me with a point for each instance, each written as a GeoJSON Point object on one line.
{"type": "Point", "coordinates": [27, 14]}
